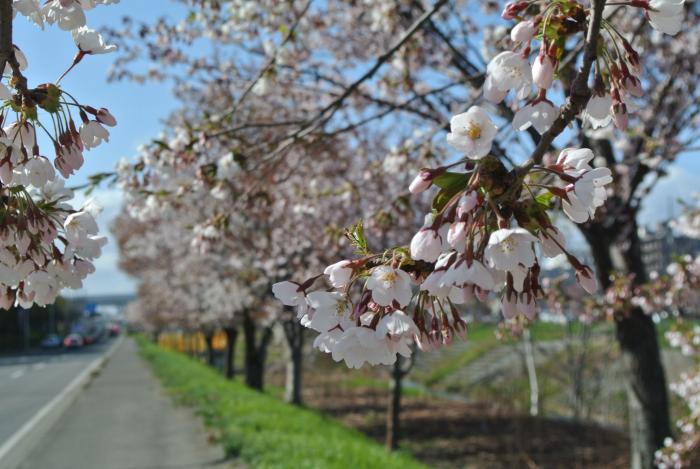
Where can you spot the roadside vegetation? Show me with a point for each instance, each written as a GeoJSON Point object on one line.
{"type": "Point", "coordinates": [261, 430]}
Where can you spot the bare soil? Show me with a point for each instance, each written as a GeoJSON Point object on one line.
{"type": "Point", "coordinates": [447, 433]}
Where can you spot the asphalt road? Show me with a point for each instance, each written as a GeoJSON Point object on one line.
{"type": "Point", "coordinates": [28, 382]}
{"type": "Point", "coordinates": [124, 420]}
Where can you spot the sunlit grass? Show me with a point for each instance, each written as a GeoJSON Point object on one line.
{"type": "Point", "coordinates": [261, 430]}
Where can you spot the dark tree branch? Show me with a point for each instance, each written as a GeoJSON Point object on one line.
{"type": "Point", "coordinates": [7, 51]}
{"type": "Point", "coordinates": [580, 92]}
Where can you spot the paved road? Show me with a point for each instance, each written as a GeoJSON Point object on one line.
{"type": "Point", "coordinates": [123, 420]}
{"type": "Point", "coordinates": [28, 382]}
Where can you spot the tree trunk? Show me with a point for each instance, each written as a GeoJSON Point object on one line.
{"type": "Point", "coordinates": [618, 249]}
{"type": "Point", "coordinates": [646, 387]}
{"type": "Point", "coordinates": [209, 341]}
{"type": "Point", "coordinates": [393, 415]}
{"type": "Point", "coordinates": [255, 353]}
{"type": "Point", "coordinates": [294, 333]}
{"type": "Point", "coordinates": [230, 363]}
{"type": "Point", "coordinates": [531, 373]}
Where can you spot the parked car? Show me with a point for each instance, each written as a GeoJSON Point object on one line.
{"type": "Point", "coordinates": [73, 341]}
{"type": "Point", "coordinates": [114, 330]}
{"type": "Point", "coordinates": [51, 341]}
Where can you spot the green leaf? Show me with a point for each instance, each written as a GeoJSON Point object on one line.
{"type": "Point", "coordinates": [356, 235]}
{"type": "Point", "coordinates": [450, 180]}
{"type": "Point", "coordinates": [544, 198]}
{"type": "Point", "coordinates": [161, 144]}
{"type": "Point", "coordinates": [444, 196]}
{"type": "Point", "coordinates": [449, 184]}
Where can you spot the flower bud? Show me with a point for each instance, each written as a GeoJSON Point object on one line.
{"type": "Point", "coordinates": [523, 32]}
{"type": "Point", "coordinates": [103, 116]}
{"type": "Point", "coordinates": [633, 86]}
{"type": "Point", "coordinates": [543, 71]}
{"type": "Point", "coordinates": [426, 245]}
{"type": "Point", "coordinates": [513, 9]}
{"type": "Point", "coordinates": [424, 179]}
{"type": "Point", "coordinates": [339, 274]}
{"type": "Point", "coordinates": [620, 116]}
{"type": "Point", "coordinates": [421, 182]}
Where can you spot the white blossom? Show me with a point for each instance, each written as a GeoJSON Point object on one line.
{"type": "Point", "coordinates": [472, 133]}
{"type": "Point", "coordinates": [388, 285]}
{"type": "Point", "coordinates": [541, 116]}
{"type": "Point", "coordinates": [509, 247]}
{"type": "Point", "coordinates": [510, 71]}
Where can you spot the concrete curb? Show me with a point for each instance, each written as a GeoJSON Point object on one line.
{"type": "Point", "coordinates": [14, 451]}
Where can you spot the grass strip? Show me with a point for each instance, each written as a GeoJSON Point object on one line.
{"type": "Point", "coordinates": [261, 430]}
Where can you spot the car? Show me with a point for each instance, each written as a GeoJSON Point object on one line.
{"type": "Point", "coordinates": [73, 341]}
{"type": "Point", "coordinates": [51, 341]}
{"type": "Point", "coordinates": [114, 330]}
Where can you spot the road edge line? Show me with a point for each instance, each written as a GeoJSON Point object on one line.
{"type": "Point", "coordinates": [16, 448]}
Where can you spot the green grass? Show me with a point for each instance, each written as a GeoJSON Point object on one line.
{"type": "Point", "coordinates": [481, 339]}
{"type": "Point", "coordinates": [261, 430]}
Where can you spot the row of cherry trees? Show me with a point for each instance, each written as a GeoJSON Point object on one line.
{"type": "Point", "coordinates": [300, 118]}
{"type": "Point", "coordinates": [288, 79]}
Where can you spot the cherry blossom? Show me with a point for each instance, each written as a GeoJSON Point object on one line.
{"type": "Point", "coordinates": [472, 133]}
{"type": "Point", "coordinates": [598, 112]}
{"type": "Point", "coordinates": [666, 15]}
{"type": "Point", "coordinates": [339, 274]}
{"type": "Point", "coordinates": [540, 115]}
{"type": "Point", "coordinates": [389, 285]}
{"type": "Point", "coordinates": [90, 41]}
{"type": "Point", "coordinates": [509, 247]}
{"type": "Point", "coordinates": [510, 71]}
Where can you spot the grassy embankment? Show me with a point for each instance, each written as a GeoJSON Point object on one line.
{"type": "Point", "coordinates": [261, 430]}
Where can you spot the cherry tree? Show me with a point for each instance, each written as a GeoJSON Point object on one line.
{"type": "Point", "coordinates": [175, 174]}
{"type": "Point", "coordinates": [596, 78]}
{"type": "Point", "coordinates": [45, 243]}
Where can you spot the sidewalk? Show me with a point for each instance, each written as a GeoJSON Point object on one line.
{"type": "Point", "coordinates": [123, 420]}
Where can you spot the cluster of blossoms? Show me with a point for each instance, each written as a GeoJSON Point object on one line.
{"type": "Point", "coordinates": [489, 225]}
{"type": "Point", "coordinates": [617, 69]}
{"type": "Point", "coordinates": [45, 243]}
{"type": "Point", "coordinates": [465, 249]}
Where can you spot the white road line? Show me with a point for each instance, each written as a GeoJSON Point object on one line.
{"type": "Point", "coordinates": [66, 394]}
{"type": "Point", "coordinates": [39, 366]}
{"type": "Point", "coordinates": [17, 373]}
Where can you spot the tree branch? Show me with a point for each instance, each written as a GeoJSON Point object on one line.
{"type": "Point", "coordinates": [580, 92]}
{"type": "Point", "coordinates": [7, 51]}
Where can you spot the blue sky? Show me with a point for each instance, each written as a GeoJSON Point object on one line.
{"type": "Point", "coordinates": [139, 110]}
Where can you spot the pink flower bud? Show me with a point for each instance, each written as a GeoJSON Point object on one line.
{"type": "Point", "coordinates": [543, 71]}
{"type": "Point", "coordinates": [620, 116]}
{"type": "Point", "coordinates": [633, 86]}
{"type": "Point", "coordinates": [512, 10]}
{"type": "Point", "coordinates": [523, 32]}
{"type": "Point", "coordinates": [103, 116]}
{"type": "Point", "coordinates": [421, 182]}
